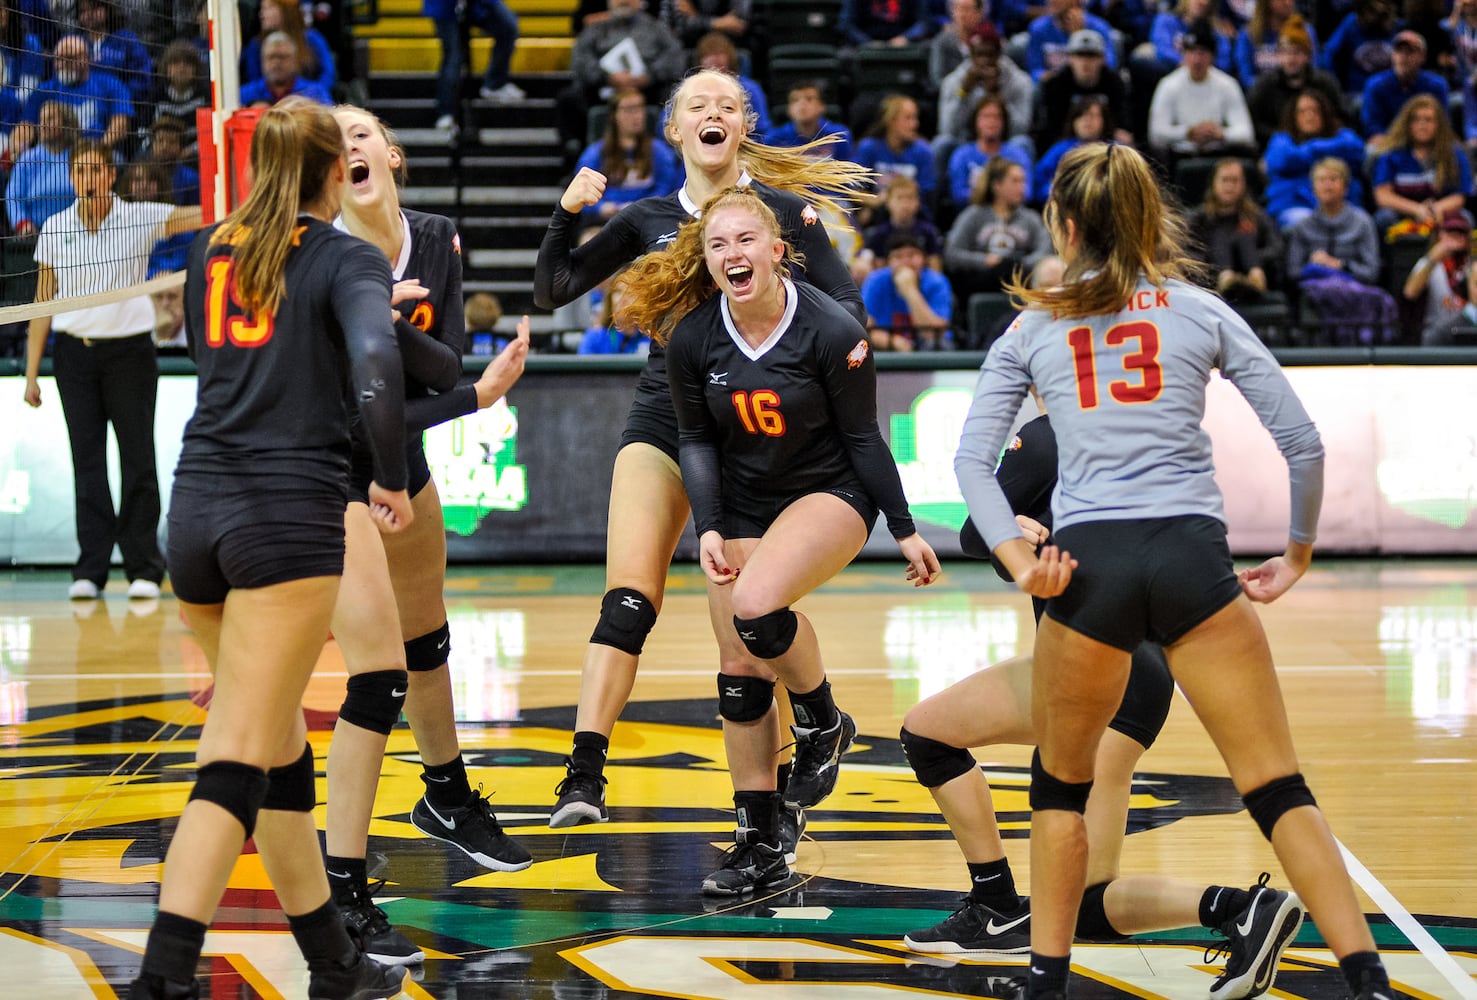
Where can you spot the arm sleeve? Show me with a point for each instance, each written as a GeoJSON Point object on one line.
{"type": "Point", "coordinates": [823, 268]}
{"type": "Point", "coordinates": [564, 272]}
{"type": "Point", "coordinates": [997, 398]}
{"type": "Point", "coordinates": [1027, 476]}
{"type": "Point", "coordinates": [428, 411]}
{"type": "Point", "coordinates": [1247, 363]}
{"type": "Point", "coordinates": [852, 390]}
{"type": "Point", "coordinates": [427, 360]}
{"type": "Point", "coordinates": [361, 304]}
{"type": "Point", "coordinates": [452, 330]}
{"type": "Point", "coordinates": [697, 449]}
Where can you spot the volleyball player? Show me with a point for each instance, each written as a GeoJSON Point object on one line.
{"type": "Point", "coordinates": [709, 121]}
{"type": "Point", "coordinates": [993, 706]}
{"type": "Point", "coordinates": [390, 616]}
{"type": "Point", "coordinates": [283, 314]}
{"type": "Point", "coordinates": [1121, 353]}
{"type": "Point", "coordinates": [776, 398]}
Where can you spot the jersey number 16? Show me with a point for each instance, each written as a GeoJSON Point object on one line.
{"type": "Point", "coordinates": [759, 412]}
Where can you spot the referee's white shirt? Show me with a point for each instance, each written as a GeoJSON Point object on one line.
{"type": "Point", "coordinates": [114, 257]}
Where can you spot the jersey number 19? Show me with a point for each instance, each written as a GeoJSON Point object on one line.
{"type": "Point", "coordinates": [225, 319]}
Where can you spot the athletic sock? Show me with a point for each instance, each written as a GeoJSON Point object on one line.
{"type": "Point", "coordinates": [1048, 975]}
{"type": "Point", "coordinates": [815, 709]}
{"type": "Point", "coordinates": [173, 948]}
{"type": "Point", "coordinates": [446, 784]}
{"type": "Point", "coordinates": [991, 883]}
{"type": "Point", "coordinates": [760, 812]}
{"type": "Point", "coordinates": [321, 936]}
{"type": "Point", "coordinates": [782, 777]}
{"type": "Point", "coordinates": [1221, 903]}
{"type": "Point", "coordinates": [1362, 967]}
{"type": "Point", "coordinates": [590, 750]}
{"type": "Point", "coordinates": [347, 877]}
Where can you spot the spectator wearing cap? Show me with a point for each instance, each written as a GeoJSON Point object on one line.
{"type": "Point", "coordinates": [1277, 88]}
{"type": "Point", "coordinates": [950, 47]}
{"type": "Point", "coordinates": [1361, 45]}
{"type": "Point", "coordinates": [1198, 109]}
{"type": "Point", "coordinates": [908, 303]}
{"type": "Point", "coordinates": [1086, 72]}
{"type": "Point", "coordinates": [1258, 44]}
{"type": "Point", "coordinates": [1066, 30]}
{"type": "Point", "coordinates": [1170, 27]}
{"type": "Point", "coordinates": [1440, 278]}
{"type": "Point", "coordinates": [986, 73]}
{"type": "Point", "coordinates": [1387, 92]}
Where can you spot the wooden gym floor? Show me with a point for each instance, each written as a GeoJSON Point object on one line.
{"type": "Point", "coordinates": [99, 712]}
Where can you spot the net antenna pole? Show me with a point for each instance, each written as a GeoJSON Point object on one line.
{"type": "Point", "coordinates": [225, 84]}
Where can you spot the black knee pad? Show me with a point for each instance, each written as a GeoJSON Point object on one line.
{"type": "Point", "coordinates": [626, 616]}
{"type": "Point", "coordinates": [1148, 695]}
{"type": "Point", "coordinates": [744, 699]}
{"type": "Point", "coordinates": [291, 788]}
{"type": "Point", "coordinates": [768, 636]}
{"type": "Point", "coordinates": [1092, 916]}
{"type": "Point", "coordinates": [1280, 795]}
{"type": "Point", "coordinates": [237, 788]}
{"type": "Point", "coordinates": [933, 762]}
{"type": "Point", "coordinates": [375, 699]}
{"type": "Point", "coordinates": [1050, 792]}
{"type": "Point", "coordinates": [429, 651]}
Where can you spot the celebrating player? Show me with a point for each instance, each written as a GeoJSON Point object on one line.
{"type": "Point", "coordinates": [390, 616]}
{"type": "Point", "coordinates": [784, 465]}
{"type": "Point", "coordinates": [1121, 353]}
{"type": "Point", "coordinates": [709, 121]}
{"type": "Point", "coordinates": [282, 312]}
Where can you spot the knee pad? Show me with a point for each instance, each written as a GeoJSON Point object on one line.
{"type": "Point", "coordinates": [1050, 792]}
{"type": "Point", "coordinates": [1280, 795]}
{"type": "Point", "coordinates": [626, 616]}
{"type": "Point", "coordinates": [291, 788]}
{"type": "Point", "coordinates": [429, 651]}
{"type": "Point", "coordinates": [1148, 695]}
{"type": "Point", "coordinates": [1092, 916]}
{"type": "Point", "coordinates": [237, 788]}
{"type": "Point", "coordinates": [768, 636]}
{"type": "Point", "coordinates": [933, 762]}
{"type": "Point", "coordinates": [375, 699]}
{"type": "Point", "coordinates": [744, 699]}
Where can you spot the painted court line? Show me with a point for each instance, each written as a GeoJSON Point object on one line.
{"type": "Point", "coordinates": [1407, 924]}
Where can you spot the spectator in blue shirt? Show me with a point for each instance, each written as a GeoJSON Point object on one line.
{"type": "Point", "coordinates": [1170, 28]}
{"type": "Point", "coordinates": [1362, 44]}
{"type": "Point", "coordinates": [990, 127]}
{"type": "Point", "coordinates": [808, 122]}
{"type": "Point", "coordinates": [41, 180]}
{"type": "Point", "coordinates": [885, 22]}
{"type": "Point", "coordinates": [635, 163]}
{"type": "Point", "coordinates": [606, 338]}
{"type": "Point", "coordinates": [101, 101]}
{"type": "Point", "coordinates": [22, 55]}
{"type": "Point", "coordinates": [1311, 133]}
{"type": "Point", "coordinates": [908, 304]}
{"type": "Point", "coordinates": [315, 57]}
{"type": "Point", "coordinates": [1256, 44]}
{"type": "Point", "coordinates": [1423, 172]}
{"type": "Point", "coordinates": [892, 148]}
{"type": "Point", "coordinates": [114, 49]}
{"type": "Point", "coordinates": [1054, 35]}
{"type": "Point", "coordinates": [281, 79]}
{"type": "Point", "coordinates": [1387, 92]}
{"type": "Point", "coordinates": [1088, 120]}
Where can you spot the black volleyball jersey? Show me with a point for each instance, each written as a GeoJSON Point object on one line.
{"type": "Point", "coordinates": [565, 272]}
{"type": "Point", "coordinates": [798, 414]}
{"type": "Point", "coordinates": [275, 393]}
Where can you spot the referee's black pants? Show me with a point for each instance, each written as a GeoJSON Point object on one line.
{"type": "Point", "coordinates": [112, 381]}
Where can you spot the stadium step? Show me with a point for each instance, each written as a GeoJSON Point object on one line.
{"type": "Point", "coordinates": [418, 51]}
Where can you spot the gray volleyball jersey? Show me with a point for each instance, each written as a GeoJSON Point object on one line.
{"type": "Point", "coordinates": [1126, 394]}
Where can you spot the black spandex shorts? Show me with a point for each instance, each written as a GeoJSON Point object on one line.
{"type": "Point", "coordinates": [651, 420]}
{"type": "Point", "coordinates": [750, 517]}
{"type": "Point", "coordinates": [1144, 579]}
{"type": "Point", "coordinates": [361, 472]}
{"type": "Point", "coordinates": [227, 532]}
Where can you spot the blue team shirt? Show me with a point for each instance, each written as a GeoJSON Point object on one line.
{"type": "Point", "coordinates": [916, 162]}
{"type": "Point", "coordinates": [257, 91]}
{"type": "Point", "coordinates": [888, 309]}
{"type": "Point", "coordinates": [967, 162]}
{"type": "Point", "coordinates": [96, 100]}
{"type": "Point", "coordinates": [788, 135]}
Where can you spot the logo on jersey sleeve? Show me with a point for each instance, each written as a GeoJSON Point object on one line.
{"type": "Point", "coordinates": [456, 242]}
{"type": "Point", "coordinates": [858, 355]}
{"type": "Point", "coordinates": [1015, 444]}
{"type": "Point", "coordinates": [424, 317]}
{"type": "Point", "coordinates": [809, 216]}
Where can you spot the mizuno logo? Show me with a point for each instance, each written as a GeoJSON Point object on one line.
{"type": "Point", "coordinates": [450, 824]}
{"type": "Point", "coordinates": [733, 692]}
{"type": "Point", "coordinates": [667, 237]}
{"type": "Point", "coordinates": [397, 693]}
{"type": "Point", "coordinates": [631, 602]}
{"type": "Point", "coordinates": [717, 378]}
{"type": "Point", "coordinates": [993, 928]}
{"type": "Point", "coordinates": [750, 636]}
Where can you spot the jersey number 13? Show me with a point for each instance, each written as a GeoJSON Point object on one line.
{"type": "Point", "coordinates": [1144, 361]}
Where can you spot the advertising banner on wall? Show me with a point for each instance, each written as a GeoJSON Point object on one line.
{"type": "Point", "coordinates": [530, 480]}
